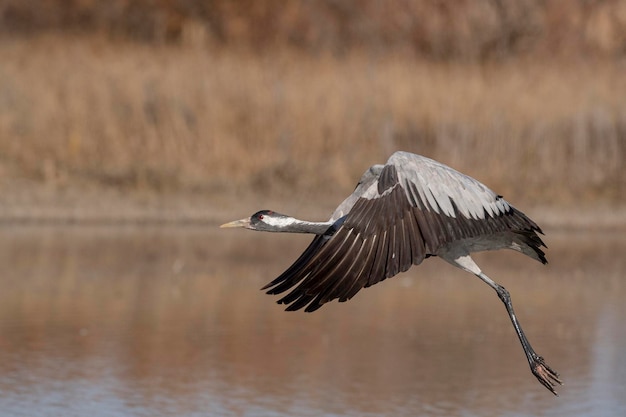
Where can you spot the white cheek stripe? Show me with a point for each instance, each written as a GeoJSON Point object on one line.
{"type": "Point", "coordinates": [277, 221]}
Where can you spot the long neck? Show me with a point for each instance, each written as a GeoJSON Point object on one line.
{"type": "Point", "coordinates": [303, 226]}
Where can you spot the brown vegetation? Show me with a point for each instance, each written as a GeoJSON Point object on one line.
{"type": "Point", "coordinates": [440, 29]}
{"type": "Point", "coordinates": [277, 97]}
{"type": "Point", "coordinates": [164, 117]}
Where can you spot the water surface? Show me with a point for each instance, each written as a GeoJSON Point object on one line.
{"type": "Point", "coordinates": [161, 321]}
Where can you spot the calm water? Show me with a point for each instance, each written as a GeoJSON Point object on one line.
{"type": "Point", "coordinates": [98, 321]}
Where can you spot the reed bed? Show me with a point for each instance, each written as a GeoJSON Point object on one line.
{"type": "Point", "coordinates": [200, 120]}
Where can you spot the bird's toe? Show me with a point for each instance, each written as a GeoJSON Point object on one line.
{"type": "Point", "coordinates": [548, 377]}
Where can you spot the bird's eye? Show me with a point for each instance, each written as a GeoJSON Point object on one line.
{"type": "Point", "coordinates": [260, 217]}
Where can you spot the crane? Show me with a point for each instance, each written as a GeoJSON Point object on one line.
{"type": "Point", "coordinates": [400, 213]}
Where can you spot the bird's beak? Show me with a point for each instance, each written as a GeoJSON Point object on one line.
{"type": "Point", "coordinates": [237, 223]}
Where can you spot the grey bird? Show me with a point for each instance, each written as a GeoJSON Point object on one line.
{"type": "Point", "coordinates": [400, 213]}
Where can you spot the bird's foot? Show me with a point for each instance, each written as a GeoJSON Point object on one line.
{"type": "Point", "coordinates": [548, 377]}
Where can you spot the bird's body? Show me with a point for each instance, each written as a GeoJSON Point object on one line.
{"type": "Point", "coordinates": [399, 214]}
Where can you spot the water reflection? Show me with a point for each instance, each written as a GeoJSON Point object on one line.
{"type": "Point", "coordinates": [169, 321]}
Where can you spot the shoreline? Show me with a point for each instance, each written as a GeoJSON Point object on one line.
{"type": "Point", "coordinates": [89, 206]}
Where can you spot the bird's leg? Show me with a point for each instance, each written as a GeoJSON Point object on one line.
{"type": "Point", "coordinates": [546, 375]}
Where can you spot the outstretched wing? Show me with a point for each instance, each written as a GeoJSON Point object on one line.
{"type": "Point", "coordinates": [398, 215]}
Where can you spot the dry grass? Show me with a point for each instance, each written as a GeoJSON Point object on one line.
{"type": "Point", "coordinates": [433, 29]}
{"type": "Point", "coordinates": [75, 111]}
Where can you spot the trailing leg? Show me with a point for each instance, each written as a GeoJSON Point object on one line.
{"type": "Point", "coordinates": [546, 375]}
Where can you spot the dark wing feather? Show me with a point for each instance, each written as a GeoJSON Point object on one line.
{"type": "Point", "coordinates": [372, 244]}
{"type": "Point", "coordinates": [439, 231]}
{"type": "Point", "coordinates": [292, 275]}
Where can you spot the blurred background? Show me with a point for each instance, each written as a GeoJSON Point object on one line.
{"type": "Point", "coordinates": [130, 129]}
{"type": "Point", "coordinates": [218, 98]}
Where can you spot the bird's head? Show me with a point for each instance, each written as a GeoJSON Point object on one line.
{"type": "Point", "coordinates": [264, 220]}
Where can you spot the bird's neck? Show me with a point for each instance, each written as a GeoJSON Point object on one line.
{"type": "Point", "coordinates": [303, 226]}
